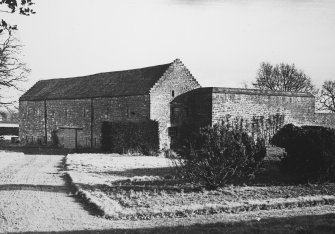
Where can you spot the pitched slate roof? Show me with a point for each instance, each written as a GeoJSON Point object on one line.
{"type": "Point", "coordinates": [109, 84]}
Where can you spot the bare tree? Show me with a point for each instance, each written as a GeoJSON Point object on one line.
{"type": "Point", "coordinates": [283, 77]}
{"type": "Point", "coordinates": [22, 7]}
{"type": "Point", "coordinates": [326, 97]}
{"type": "Point", "coordinates": [12, 70]}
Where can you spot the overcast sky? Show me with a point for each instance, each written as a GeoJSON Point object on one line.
{"type": "Point", "coordinates": [222, 42]}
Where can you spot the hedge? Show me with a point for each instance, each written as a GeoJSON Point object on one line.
{"type": "Point", "coordinates": [310, 152]}
{"type": "Point", "coordinates": [130, 137]}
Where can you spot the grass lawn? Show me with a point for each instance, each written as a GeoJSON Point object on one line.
{"type": "Point", "coordinates": [142, 187]}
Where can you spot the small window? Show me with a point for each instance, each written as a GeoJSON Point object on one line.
{"type": "Point", "coordinates": [66, 113]}
{"type": "Point", "coordinates": [84, 112]}
{"type": "Point", "coordinates": [172, 93]}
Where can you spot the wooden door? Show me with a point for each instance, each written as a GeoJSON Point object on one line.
{"type": "Point", "coordinates": [70, 138]}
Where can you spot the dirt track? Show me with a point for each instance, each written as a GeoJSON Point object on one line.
{"type": "Point", "coordinates": [34, 197]}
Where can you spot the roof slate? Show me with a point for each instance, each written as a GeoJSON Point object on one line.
{"type": "Point", "coordinates": [109, 84]}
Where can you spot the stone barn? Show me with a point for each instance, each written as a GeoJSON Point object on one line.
{"type": "Point", "coordinates": [73, 109]}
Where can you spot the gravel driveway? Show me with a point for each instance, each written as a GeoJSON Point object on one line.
{"type": "Point", "coordinates": [34, 197]}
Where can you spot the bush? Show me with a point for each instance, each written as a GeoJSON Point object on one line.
{"type": "Point", "coordinates": [310, 152]}
{"type": "Point", "coordinates": [130, 137]}
{"type": "Point", "coordinates": [214, 156]}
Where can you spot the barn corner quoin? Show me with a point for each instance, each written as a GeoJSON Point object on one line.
{"type": "Point", "coordinates": [69, 112]}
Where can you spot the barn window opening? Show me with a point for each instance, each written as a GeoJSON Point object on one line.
{"type": "Point", "coordinates": [66, 113]}
{"type": "Point", "coordinates": [172, 93]}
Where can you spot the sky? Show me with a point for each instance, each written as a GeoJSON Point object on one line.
{"type": "Point", "coordinates": [222, 42]}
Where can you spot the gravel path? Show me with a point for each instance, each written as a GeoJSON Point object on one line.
{"type": "Point", "coordinates": [34, 197]}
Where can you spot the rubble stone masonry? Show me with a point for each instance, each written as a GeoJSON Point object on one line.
{"type": "Point", "coordinates": [176, 81]}
{"type": "Point", "coordinates": [207, 106]}
{"type": "Point", "coordinates": [39, 119]}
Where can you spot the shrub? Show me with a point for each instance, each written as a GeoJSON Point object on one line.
{"type": "Point", "coordinates": [214, 156]}
{"type": "Point", "coordinates": [310, 152]}
{"type": "Point", "coordinates": [130, 137]}
{"type": "Point", "coordinates": [258, 126]}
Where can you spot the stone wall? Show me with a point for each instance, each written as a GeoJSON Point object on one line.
{"type": "Point", "coordinates": [32, 121]}
{"type": "Point", "coordinates": [325, 119]}
{"type": "Point", "coordinates": [261, 112]}
{"type": "Point", "coordinates": [86, 115]}
{"type": "Point", "coordinates": [297, 108]}
{"type": "Point", "coordinates": [175, 81]}
{"type": "Point", "coordinates": [69, 113]}
{"type": "Point", "coordinates": [130, 108]}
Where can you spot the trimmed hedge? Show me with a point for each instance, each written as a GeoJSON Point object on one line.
{"type": "Point", "coordinates": [310, 152]}
{"type": "Point", "coordinates": [130, 137]}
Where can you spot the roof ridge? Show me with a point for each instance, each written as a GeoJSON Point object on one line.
{"type": "Point", "coordinates": [129, 82]}
{"type": "Point", "coordinates": [101, 73]}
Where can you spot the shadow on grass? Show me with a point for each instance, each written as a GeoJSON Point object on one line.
{"type": "Point", "coordinates": [160, 171]}
{"type": "Point", "coordinates": [170, 182]}
{"type": "Point", "coordinates": [167, 180]}
{"type": "Point", "coordinates": [270, 175]}
{"type": "Point", "coordinates": [299, 224]}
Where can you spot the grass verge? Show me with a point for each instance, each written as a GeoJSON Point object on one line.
{"type": "Point", "coordinates": [141, 188]}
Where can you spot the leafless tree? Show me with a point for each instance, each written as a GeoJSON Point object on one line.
{"type": "Point", "coordinates": [12, 70]}
{"type": "Point", "coordinates": [283, 77]}
{"type": "Point", "coordinates": [21, 7]}
{"type": "Point", "coordinates": [326, 97]}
